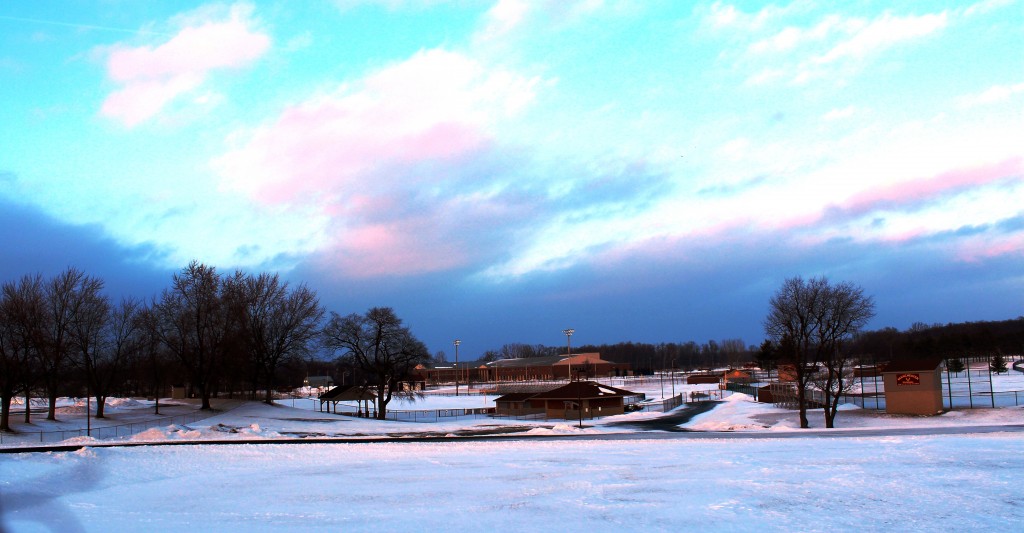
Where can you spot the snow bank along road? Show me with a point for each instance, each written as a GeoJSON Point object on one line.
{"type": "Point", "coordinates": [647, 435]}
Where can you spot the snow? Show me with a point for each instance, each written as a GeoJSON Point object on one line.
{"type": "Point", "coordinates": [875, 472]}
{"type": "Point", "coordinates": [738, 413]}
{"type": "Point", "coordinates": [925, 483]}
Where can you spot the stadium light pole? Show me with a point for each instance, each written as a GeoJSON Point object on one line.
{"type": "Point", "coordinates": [457, 342]}
{"type": "Point", "coordinates": [568, 347]}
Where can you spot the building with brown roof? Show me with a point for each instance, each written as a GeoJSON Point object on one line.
{"type": "Point", "coordinates": [522, 369]}
{"type": "Point", "coordinates": [360, 394]}
{"type": "Point", "coordinates": [565, 402]}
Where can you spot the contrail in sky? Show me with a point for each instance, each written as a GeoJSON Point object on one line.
{"type": "Point", "coordinates": [81, 26]}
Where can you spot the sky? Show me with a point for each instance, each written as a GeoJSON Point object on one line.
{"type": "Point", "coordinates": [498, 171]}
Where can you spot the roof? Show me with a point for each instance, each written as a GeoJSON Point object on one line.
{"type": "Point", "coordinates": [551, 360]}
{"type": "Point", "coordinates": [547, 360]}
{"type": "Point", "coordinates": [515, 397]}
{"type": "Point", "coordinates": [348, 393]}
{"type": "Point", "coordinates": [582, 389]}
{"type": "Point", "coordinates": [523, 362]}
{"type": "Point", "coordinates": [924, 364]}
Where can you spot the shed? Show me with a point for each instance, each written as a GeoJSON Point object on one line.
{"type": "Point", "coordinates": [515, 404]}
{"type": "Point", "coordinates": [595, 399]}
{"type": "Point", "coordinates": [914, 386]}
{"type": "Point", "coordinates": [318, 381]}
{"type": "Point", "coordinates": [738, 376]}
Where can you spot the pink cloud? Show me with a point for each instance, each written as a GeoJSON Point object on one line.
{"type": "Point", "coordinates": [381, 157]}
{"type": "Point", "coordinates": [140, 100]}
{"type": "Point", "coordinates": [391, 249]}
{"type": "Point", "coordinates": [987, 246]}
{"type": "Point", "coordinates": [154, 76]}
{"type": "Point", "coordinates": [914, 191]}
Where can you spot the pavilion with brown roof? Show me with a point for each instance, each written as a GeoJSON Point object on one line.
{"type": "Point", "coordinates": [348, 393]}
{"type": "Point", "coordinates": [565, 401]}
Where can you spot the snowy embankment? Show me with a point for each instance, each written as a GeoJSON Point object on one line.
{"type": "Point", "coordinates": [740, 412]}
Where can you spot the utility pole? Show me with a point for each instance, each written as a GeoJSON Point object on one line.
{"type": "Point", "coordinates": [568, 348]}
{"type": "Point", "coordinates": [457, 342]}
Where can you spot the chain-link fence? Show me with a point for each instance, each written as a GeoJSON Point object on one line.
{"type": "Point", "coordinates": [980, 382]}
{"type": "Point", "coordinates": [102, 432]}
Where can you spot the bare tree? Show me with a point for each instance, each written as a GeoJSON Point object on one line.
{"type": "Point", "coordinates": [833, 380]}
{"type": "Point", "coordinates": [845, 311]}
{"type": "Point", "coordinates": [11, 364]}
{"type": "Point", "coordinates": [21, 314]}
{"type": "Point", "coordinates": [277, 322]}
{"type": "Point", "coordinates": [814, 317]}
{"type": "Point", "coordinates": [516, 350]}
{"type": "Point", "coordinates": [191, 321]}
{"type": "Point", "coordinates": [60, 297]}
{"type": "Point", "coordinates": [154, 357]}
{"type": "Point", "coordinates": [380, 346]}
{"type": "Point", "coordinates": [108, 338]}
{"type": "Point", "coordinates": [733, 350]}
{"type": "Point", "coordinates": [25, 316]}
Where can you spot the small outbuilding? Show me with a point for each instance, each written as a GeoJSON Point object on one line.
{"type": "Point", "coordinates": [348, 393]}
{"type": "Point", "coordinates": [914, 386]}
{"type": "Point", "coordinates": [318, 381]}
{"type": "Point", "coordinates": [738, 376]}
{"type": "Point", "coordinates": [595, 399]}
{"type": "Point", "coordinates": [516, 404]}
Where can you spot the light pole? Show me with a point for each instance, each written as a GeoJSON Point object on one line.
{"type": "Point", "coordinates": [457, 342]}
{"type": "Point", "coordinates": [568, 347]}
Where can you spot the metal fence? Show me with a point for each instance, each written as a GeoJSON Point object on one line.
{"type": "Point", "coordinates": [974, 400]}
{"type": "Point", "coordinates": [669, 404]}
{"type": "Point", "coordinates": [972, 388]}
{"type": "Point", "coordinates": [423, 415]}
{"type": "Point", "coordinates": [103, 432]}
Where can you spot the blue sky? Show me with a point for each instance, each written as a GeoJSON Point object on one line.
{"type": "Point", "coordinates": [500, 170]}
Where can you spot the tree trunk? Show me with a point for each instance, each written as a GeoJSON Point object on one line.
{"type": "Point", "coordinates": [801, 399]}
{"type": "Point", "coordinates": [270, 395]}
{"type": "Point", "coordinates": [382, 403]}
{"type": "Point", "coordinates": [100, 401]}
{"type": "Point", "coordinates": [204, 392]}
{"type": "Point", "coordinates": [5, 412]}
{"type": "Point", "coordinates": [28, 407]}
{"type": "Point", "coordinates": [51, 408]}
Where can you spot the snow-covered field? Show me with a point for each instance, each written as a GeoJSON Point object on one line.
{"type": "Point", "coordinates": [926, 483]}
{"type": "Point", "coordinates": [760, 474]}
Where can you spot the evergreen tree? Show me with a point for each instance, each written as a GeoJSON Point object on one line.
{"type": "Point", "coordinates": [955, 365]}
{"type": "Point", "coordinates": [767, 355]}
{"type": "Point", "coordinates": [997, 364]}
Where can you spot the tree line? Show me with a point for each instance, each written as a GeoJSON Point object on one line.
{"type": "Point", "coordinates": [234, 332]}
{"type": "Point", "coordinates": [643, 358]}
